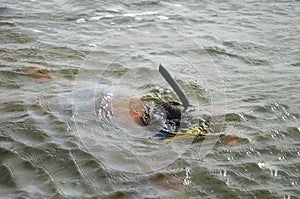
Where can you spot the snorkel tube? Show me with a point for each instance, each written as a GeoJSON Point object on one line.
{"type": "Point", "coordinates": [196, 132]}
{"type": "Point", "coordinates": [167, 76]}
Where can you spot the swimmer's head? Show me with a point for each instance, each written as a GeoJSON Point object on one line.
{"type": "Point", "coordinates": [173, 110]}
{"type": "Point", "coordinates": [162, 113]}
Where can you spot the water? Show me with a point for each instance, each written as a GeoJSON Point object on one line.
{"type": "Point", "coordinates": [238, 60]}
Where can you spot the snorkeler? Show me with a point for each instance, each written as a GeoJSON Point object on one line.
{"type": "Point", "coordinates": [174, 119]}
{"type": "Point", "coordinates": [168, 119]}
{"type": "Point", "coordinates": [167, 116]}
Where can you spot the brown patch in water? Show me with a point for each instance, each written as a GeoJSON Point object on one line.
{"type": "Point", "coordinates": [123, 194]}
{"type": "Point", "coordinates": [42, 75]}
{"type": "Point", "coordinates": [167, 182]}
{"type": "Point", "coordinates": [229, 140]}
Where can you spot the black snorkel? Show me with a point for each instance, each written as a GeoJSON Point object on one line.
{"type": "Point", "coordinates": [199, 131]}
{"type": "Point", "coordinates": [167, 76]}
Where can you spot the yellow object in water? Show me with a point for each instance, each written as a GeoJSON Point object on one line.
{"type": "Point", "coordinates": [189, 133]}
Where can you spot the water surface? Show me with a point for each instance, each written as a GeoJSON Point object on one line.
{"type": "Point", "coordinates": [237, 59]}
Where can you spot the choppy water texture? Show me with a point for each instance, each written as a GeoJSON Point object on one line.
{"type": "Point", "coordinates": [242, 54]}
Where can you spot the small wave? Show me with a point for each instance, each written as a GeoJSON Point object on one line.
{"type": "Point", "coordinates": [238, 117]}
{"type": "Point", "coordinates": [97, 18]}
{"type": "Point", "coordinates": [177, 5]}
{"type": "Point", "coordinates": [247, 59]}
{"type": "Point", "coordinates": [81, 20]}
{"type": "Point", "coordinates": [161, 17]}
{"type": "Point", "coordinates": [140, 14]}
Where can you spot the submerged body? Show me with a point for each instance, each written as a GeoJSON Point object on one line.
{"type": "Point", "coordinates": [168, 120]}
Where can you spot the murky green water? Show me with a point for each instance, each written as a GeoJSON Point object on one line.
{"type": "Point", "coordinates": [238, 60]}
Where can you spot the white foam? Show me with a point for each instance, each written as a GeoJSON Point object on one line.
{"type": "Point", "coordinates": [93, 45]}
{"type": "Point", "coordinates": [177, 5]}
{"type": "Point", "coordinates": [109, 16]}
{"type": "Point", "coordinates": [112, 10]}
{"type": "Point", "coordinates": [129, 15]}
{"type": "Point", "coordinates": [161, 17]}
{"type": "Point", "coordinates": [38, 31]}
{"type": "Point", "coordinates": [81, 20]}
{"type": "Point", "coordinates": [97, 18]}
{"type": "Point", "coordinates": [261, 164]}
{"type": "Point", "coordinates": [138, 18]}
{"type": "Point", "coordinates": [140, 14]}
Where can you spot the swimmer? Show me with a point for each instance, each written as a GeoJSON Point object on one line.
{"type": "Point", "coordinates": [173, 119]}
{"type": "Point", "coordinates": [169, 119]}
